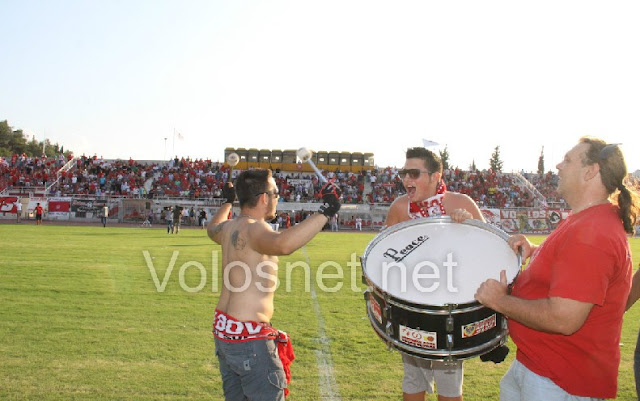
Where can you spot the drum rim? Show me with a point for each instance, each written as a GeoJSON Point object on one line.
{"type": "Point", "coordinates": [432, 220]}
{"type": "Point", "coordinates": [427, 309]}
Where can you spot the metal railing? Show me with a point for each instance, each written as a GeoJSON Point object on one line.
{"type": "Point", "coordinates": [528, 185]}
{"type": "Point", "coordinates": [68, 166]}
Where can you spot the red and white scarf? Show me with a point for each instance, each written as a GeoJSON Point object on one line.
{"type": "Point", "coordinates": [430, 207]}
{"type": "Point", "coordinates": [229, 329]}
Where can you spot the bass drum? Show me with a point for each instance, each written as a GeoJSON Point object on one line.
{"type": "Point", "coordinates": [422, 276]}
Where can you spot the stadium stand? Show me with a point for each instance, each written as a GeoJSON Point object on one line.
{"type": "Point", "coordinates": [203, 179]}
{"type": "Point", "coordinates": [21, 171]}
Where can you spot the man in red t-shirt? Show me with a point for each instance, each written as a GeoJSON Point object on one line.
{"type": "Point", "coordinates": [565, 310]}
{"type": "Point", "coordinates": [39, 212]}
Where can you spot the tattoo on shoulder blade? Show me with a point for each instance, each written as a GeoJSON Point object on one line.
{"type": "Point", "coordinates": [237, 241]}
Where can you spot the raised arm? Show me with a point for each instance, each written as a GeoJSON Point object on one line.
{"type": "Point", "coordinates": [266, 241]}
{"type": "Point", "coordinates": [217, 221]}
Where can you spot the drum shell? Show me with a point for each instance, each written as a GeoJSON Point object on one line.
{"type": "Point", "coordinates": [387, 315]}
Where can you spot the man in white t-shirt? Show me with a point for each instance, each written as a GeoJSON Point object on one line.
{"type": "Point", "coordinates": [18, 210]}
{"type": "Point", "coordinates": [359, 223]}
{"type": "Point", "coordinates": [334, 223]}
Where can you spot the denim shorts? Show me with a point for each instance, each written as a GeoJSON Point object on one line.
{"type": "Point", "coordinates": [251, 370]}
{"type": "Point", "coordinates": [521, 384]}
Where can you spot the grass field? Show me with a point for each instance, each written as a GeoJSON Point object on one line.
{"type": "Point", "coordinates": [81, 317]}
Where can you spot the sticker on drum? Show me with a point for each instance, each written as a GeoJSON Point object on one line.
{"type": "Point", "coordinates": [434, 261]}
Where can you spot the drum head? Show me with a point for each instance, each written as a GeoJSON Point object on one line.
{"type": "Point", "coordinates": [434, 261]}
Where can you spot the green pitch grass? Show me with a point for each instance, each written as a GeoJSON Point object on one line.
{"type": "Point", "coordinates": [82, 317]}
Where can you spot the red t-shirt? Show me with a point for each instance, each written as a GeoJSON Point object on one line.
{"type": "Point", "coordinates": [39, 210]}
{"type": "Point", "coordinates": [587, 259]}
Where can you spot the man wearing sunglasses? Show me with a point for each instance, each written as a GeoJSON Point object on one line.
{"type": "Point", "coordinates": [427, 196]}
{"type": "Point", "coordinates": [565, 310]}
{"type": "Point", "coordinates": [253, 356]}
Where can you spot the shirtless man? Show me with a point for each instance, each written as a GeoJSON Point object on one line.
{"type": "Point", "coordinates": [250, 351]}
{"type": "Point", "coordinates": [427, 196]}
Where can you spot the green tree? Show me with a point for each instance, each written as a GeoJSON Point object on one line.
{"type": "Point", "coordinates": [541, 162]}
{"type": "Point", "coordinates": [5, 138]}
{"type": "Point", "coordinates": [444, 156]}
{"type": "Point", "coordinates": [473, 167]}
{"type": "Point", "coordinates": [495, 162]}
{"type": "Point", "coordinates": [15, 142]}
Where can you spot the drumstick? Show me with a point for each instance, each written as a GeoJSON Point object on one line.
{"type": "Point", "coordinates": [232, 160]}
{"type": "Point", "coordinates": [304, 155]}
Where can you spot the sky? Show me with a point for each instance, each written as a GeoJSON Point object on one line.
{"type": "Point", "coordinates": [115, 78]}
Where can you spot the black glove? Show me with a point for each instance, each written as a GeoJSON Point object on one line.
{"type": "Point", "coordinates": [330, 195]}
{"type": "Point", "coordinates": [229, 193]}
{"type": "Point", "coordinates": [497, 355]}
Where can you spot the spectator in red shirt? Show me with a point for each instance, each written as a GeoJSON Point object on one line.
{"type": "Point", "coordinates": [39, 212]}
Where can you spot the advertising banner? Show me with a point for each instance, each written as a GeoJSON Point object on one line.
{"type": "Point", "coordinates": [8, 204]}
{"type": "Point", "coordinates": [530, 221]}
{"type": "Point", "coordinates": [59, 208]}
{"type": "Point", "coordinates": [82, 208]}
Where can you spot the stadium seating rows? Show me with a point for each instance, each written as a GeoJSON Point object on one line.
{"type": "Point", "coordinates": [198, 179]}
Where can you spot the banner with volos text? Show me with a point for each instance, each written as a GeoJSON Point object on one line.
{"type": "Point", "coordinates": [531, 221]}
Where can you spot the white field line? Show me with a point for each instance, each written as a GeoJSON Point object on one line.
{"type": "Point", "coordinates": [326, 377]}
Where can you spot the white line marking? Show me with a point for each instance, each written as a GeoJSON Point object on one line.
{"type": "Point", "coordinates": [326, 377]}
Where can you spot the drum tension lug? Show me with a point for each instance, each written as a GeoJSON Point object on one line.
{"type": "Point", "coordinates": [449, 322]}
{"type": "Point", "coordinates": [450, 362]}
{"type": "Point", "coordinates": [386, 311]}
{"type": "Point", "coordinates": [450, 327]}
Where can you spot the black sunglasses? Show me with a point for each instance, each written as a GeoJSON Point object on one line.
{"type": "Point", "coordinates": [275, 194]}
{"type": "Point", "coordinates": [608, 150]}
{"type": "Point", "coordinates": [413, 172]}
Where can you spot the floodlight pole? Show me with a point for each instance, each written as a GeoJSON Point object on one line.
{"type": "Point", "coordinates": [165, 148]}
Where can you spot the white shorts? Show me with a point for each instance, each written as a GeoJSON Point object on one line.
{"type": "Point", "coordinates": [421, 374]}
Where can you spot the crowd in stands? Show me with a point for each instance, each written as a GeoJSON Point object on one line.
{"type": "Point", "coordinates": [99, 177]}
{"type": "Point", "coordinates": [547, 185]}
{"type": "Point", "coordinates": [305, 187]}
{"type": "Point", "coordinates": [23, 171]}
{"type": "Point", "coordinates": [203, 179]}
{"type": "Point", "coordinates": [489, 189]}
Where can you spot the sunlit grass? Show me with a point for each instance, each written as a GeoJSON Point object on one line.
{"type": "Point", "coordinates": [81, 318]}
